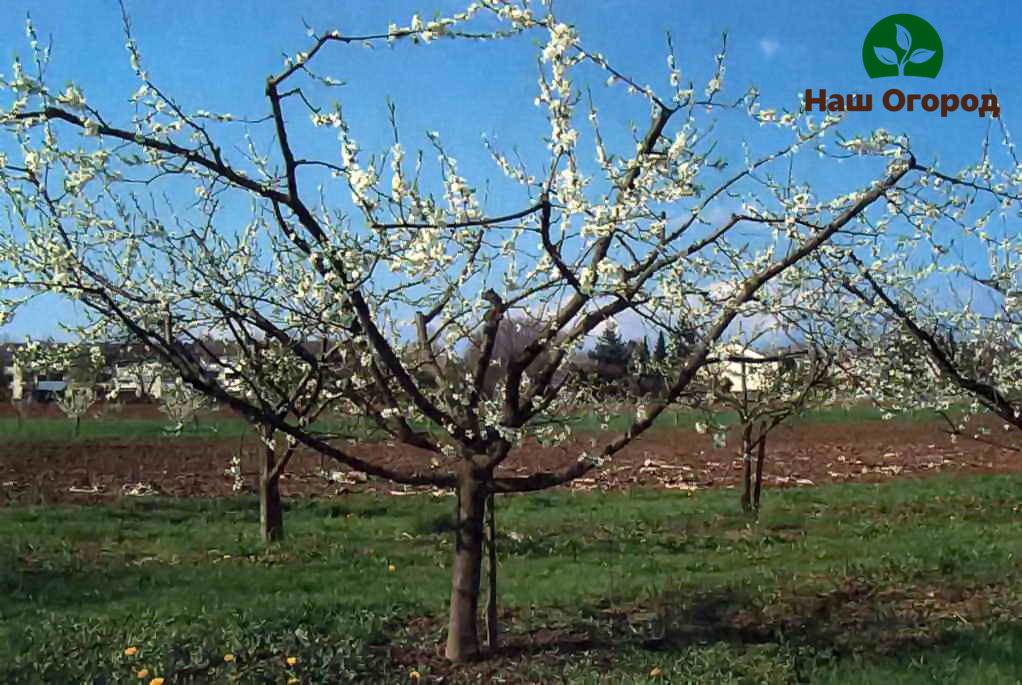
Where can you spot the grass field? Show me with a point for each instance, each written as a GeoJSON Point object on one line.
{"type": "Point", "coordinates": [914, 581]}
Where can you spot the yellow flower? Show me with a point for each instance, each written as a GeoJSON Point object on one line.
{"type": "Point", "coordinates": [131, 651]}
{"type": "Point", "coordinates": [292, 660]}
{"type": "Point", "coordinates": [392, 568]}
{"type": "Point", "coordinates": [228, 658]}
{"type": "Point", "coordinates": [143, 673]}
{"type": "Point", "coordinates": [156, 681]}
{"type": "Point", "coordinates": [293, 681]}
{"type": "Point", "coordinates": [656, 672]}
{"type": "Point", "coordinates": [415, 675]}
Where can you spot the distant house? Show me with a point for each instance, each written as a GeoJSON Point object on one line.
{"type": "Point", "coordinates": [19, 384]}
{"type": "Point", "coordinates": [139, 378]}
{"type": "Point", "coordinates": [739, 369]}
{"type": "Point", "coordinates": [135, 371]}
{"type": "Point", "coordinates": [47, 391]}
{"type": "Point", "coordinates": [10, 373]}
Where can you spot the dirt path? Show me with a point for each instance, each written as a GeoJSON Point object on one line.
{"type": "Point", "coordinates": [804, 455]}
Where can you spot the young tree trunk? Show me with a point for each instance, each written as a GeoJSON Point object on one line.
{"type": "Point", "coordinates": [492, 628]}
{"type": "Point", "coordinates": [78, 425]}
{"type": "Point", "coordinates": [747, 461]}
{"type": "Point", "coordinates": [760, 456]}
{"type": "Point", "coordinates": [462, 630]}
{"type": "Point", "coordinates": [271, 511]}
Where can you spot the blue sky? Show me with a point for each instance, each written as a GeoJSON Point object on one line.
{"type": "Point", "coordinates": [216, 56]}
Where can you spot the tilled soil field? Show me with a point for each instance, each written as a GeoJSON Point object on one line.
{"type": "Point", "coordinates": [800, 456]}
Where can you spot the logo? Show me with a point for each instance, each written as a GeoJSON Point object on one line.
{"type": "Point", "coordinates": [902, 45]}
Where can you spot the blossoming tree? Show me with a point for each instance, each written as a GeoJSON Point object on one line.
{"type": "Point", "coordinates": [80, 367]}
{"type": "Point", "coordinates": [941, 315]}
{"type": "Point", "coordinates": [134, 215]}
{"type": "Point", "coordinates": [785, 385]}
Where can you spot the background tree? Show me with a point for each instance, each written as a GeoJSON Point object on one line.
{"type": "Point", "coordinates": [642, 353]}
{"type": "Point", "coordinates": [281, 386]}
{"type": "Point", "coordinates": [611, 348]}
{"type": "Point", "coordinates": [660, 350]}
{"type": "Point", "coordinates": [181, 405]}
{"type": "Point", "coordinates": [79, 366]}
{"type": "Point", "coordinates": [352, 248]}
{"type": "Point", "coordinates": [930, 316]}
{"type": "Point", "coordinates": [683, 340]}
{"type": "Point", "coordinates": [75, 400]}
{"type": "Point", "coordinates": [514, 334]}
{"type": "Point", "coordinates": [774, 389]}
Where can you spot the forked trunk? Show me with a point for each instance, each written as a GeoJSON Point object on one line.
{"type": "Point", "coordinates": [271, 511]}
{"type": "Point", "coordinates": [462, 630]}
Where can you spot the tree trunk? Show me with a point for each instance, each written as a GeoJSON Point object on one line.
{"type": "Point", "coordinates": [271, 511]}
{"type": "Point", "coordinates": [747, 462]}
{"type": "Point", "coordinates": [78, 425]}
{"type": "Point", "coordinates": [760, 457]}
{"type": "Point", "coordinates": [492, 631]}
{"type": "Point", "coordinates": [462, 630]}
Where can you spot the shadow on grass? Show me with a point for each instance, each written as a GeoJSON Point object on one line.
{"type": "Point", "coordinates": [831, 635]}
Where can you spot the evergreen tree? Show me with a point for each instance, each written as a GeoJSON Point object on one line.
{"type": "Point", "coordinates": [642, 352]}
{"type": "Point", "coordinates": [684, 339]}
{"type": "Point", "coordinates": [610, 348]}
{"type": "Point", "coordinates": [660, 351]}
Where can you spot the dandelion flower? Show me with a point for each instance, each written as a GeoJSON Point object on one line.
{"type": "Point", "coordinates": [143, 673]}
{"type": "Point", "coordinates": [656, 672]}
{"type": "Point", "coordinates": [156, 681]}
{"type": "Point", "coordinates": [292, 660]}
{"type": "Point", "coordinates": [392, 568]}
{"type": "Point", "coordinates": [415, 675]}
{"type": "Point", "coordinates": [228, 658]}
{"type": "Point", "coordinates": [131, 651]}
{"type": "Point", "coordinates": [293, 681]}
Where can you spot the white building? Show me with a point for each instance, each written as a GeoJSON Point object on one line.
{"type": "Point", "coordinates": [738, 371]}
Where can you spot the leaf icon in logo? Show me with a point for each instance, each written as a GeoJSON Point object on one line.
{"type": "Point", "coordinates": [920, 56]}
{"type": "Point", "coordinates": [904, 37]}
{"type": "Point", "coordinates": [915, 48]}
{"type": "Point", "coordinates": [886, 55]}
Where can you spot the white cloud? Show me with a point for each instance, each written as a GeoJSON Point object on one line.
{"type": "Point", "coordinates": [769, 47]}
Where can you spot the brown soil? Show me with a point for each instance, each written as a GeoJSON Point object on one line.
{"type": "Point", "coordinates": [798, 456]}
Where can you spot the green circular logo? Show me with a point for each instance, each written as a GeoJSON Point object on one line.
{"type": "Point", "coordinates": [902, 45]}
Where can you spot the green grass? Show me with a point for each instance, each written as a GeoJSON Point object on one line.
{"type": "Point", "coordinates": [687, 419]}
{"type": "Point", "coordinates": [95, 429]}
{"type": "Point", "coordinates": [36, 430]}
{"type": "Point", "coordinates": [909, 581]}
